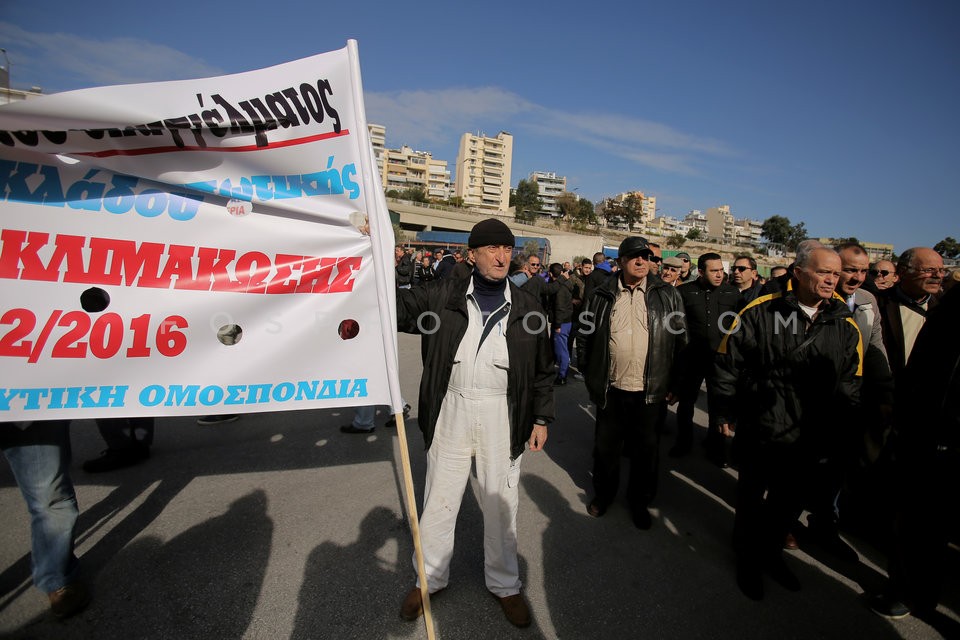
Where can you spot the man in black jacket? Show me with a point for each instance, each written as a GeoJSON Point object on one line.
{"type": "Point", "coordinates": [787, 375]}
{"type": "Point", "coordinates": [632, 331]}
{"type": "Point", "coordinates": [711, 306]}
{"type": "Point", "coordinates": [486, 392]}
{"type": "Point", "coordinates": [403, 266]}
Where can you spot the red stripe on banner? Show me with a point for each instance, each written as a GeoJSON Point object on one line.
{"type": "Point", "coordinates": [252, 147]}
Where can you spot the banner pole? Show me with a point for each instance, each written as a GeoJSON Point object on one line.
{"type": "Point", "coordinates": [414, 524]}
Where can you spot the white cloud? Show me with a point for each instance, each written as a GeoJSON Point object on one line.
{"type": "Point", "coordinates": [92, 62]}
{"type": "Point", "coordinates": [429, 118]}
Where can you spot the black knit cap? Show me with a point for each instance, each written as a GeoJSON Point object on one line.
{"type": "Point", "coordinates": [490, 232]}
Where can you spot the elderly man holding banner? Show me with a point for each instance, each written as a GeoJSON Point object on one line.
{"type": "Point", "coordinates": [486, 392]}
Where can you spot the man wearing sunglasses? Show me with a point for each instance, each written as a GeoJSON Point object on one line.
{"type": "Point", "coordinates": [884, 275]}
{"type": "Point", "coordinates": [744, 274]}
{"type": "Point", "coordinates": [686, 272]}
{"type": "Point", "coordinates": [633, 331]}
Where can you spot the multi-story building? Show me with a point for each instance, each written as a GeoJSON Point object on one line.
{"type": "Point", "coordinates": [696, 220]}
{"type": "Point", "coordinates": [483, 171]}
{"type": "Point", "coordinates": [747, 232]}
{"type": "Point", "coordinates": [378, 140]}
{"type": "Point", "coordinates": [405, 168]}
{"type": "Point", "coordinates": [720, 224]}
{"type": "Point", "coordinates": [648, 205]}
{"type": "Point", "coordinates": [550, 187]}
{"type": "Point", "coordinates": [876, 250]}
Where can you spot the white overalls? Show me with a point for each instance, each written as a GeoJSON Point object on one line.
{"type": "Point", "coordinates": [474, 421]}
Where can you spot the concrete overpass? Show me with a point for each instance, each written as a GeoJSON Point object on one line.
{"type": "Point", "coordinates": [564, 245]}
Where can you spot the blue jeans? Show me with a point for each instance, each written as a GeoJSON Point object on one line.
{"type": "Point", "coordinates": [39, 457]}
{"type": "Point", "coordinates": [561, 348]}
{"type": "Point", "coordinates": [363, 416]}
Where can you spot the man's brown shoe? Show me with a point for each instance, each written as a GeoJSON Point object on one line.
{"type": "Point", "coordinates": [412, 607]}
{"type": "Point", "coordinates": [69, 600]}
{"type": "Point", "coordinates": [790, 543]}
{"type": "Point", "coordinates": [515, 609]}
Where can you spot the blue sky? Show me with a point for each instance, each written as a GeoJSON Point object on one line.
{"type": "Point", "coordinates": [842, 115]}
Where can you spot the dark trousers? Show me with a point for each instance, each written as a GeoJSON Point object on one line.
{"type": "Point", "coordinates": [927, 517]}
{"type": "Point", "coordinates": [124, 434]}
{"type": "Point", "coordinates": [780, 470]}
{"type": "Point", "coordinates": [687, 394]}
{"type": "Point", "coordinates": [627, 425]}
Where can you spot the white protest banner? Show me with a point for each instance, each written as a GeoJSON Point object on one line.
{"type": "Point", "coordinates": [219, 245]}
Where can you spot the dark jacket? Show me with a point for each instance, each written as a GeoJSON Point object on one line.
{"type": "Point", "coordinates": [462, 269]}
{"type": "Point", "coordinates": [888, 305]}
{"type": "Point", "coordinates": [928, 397]}
{"type": "Point", "coordinates": [667, 336]}
{"type": "Point", "coordinates": [444, 268]}
{"type": "Point", "coordinates": [404, 270]}
{"type": "Point", "coordinates": [529, 378]}
{"type": "Point", "coordinates": [752, 293]}
{"type": "Point", "coordinates": [710, 311]}
{"type": "Point", "coordinates": [596, 278]}
{"type": "Point", "coordinates": [779, 387]}
{"type": "Point", "coordinates": [561, 309]}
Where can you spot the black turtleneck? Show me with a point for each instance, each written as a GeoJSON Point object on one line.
{"type": "Point", "coordinates": [488, 293]}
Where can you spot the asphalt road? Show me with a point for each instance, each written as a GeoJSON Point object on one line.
{"type": "Point", "coordinates": [279, 526]}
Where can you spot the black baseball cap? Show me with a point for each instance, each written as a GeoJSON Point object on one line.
{"type": "Point", "coordinates": [634, 246]}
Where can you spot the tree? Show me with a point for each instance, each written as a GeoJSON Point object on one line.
{"type": "Point", "coordinates": [526, 201]}
{"type": "Point", "coordinates": [778, 230]}
{"type": "Point", "coordinates": [585, 212]}
{"type": "Point", "coordinates": [455, 201]}
{"type": "Point", "coordinates": [839, 241]}
{"type": "Point", "coordinates": [694, 234]}
{"type": "Point", "coordinates": [948, 248]}
{"type": "Point", "coordinates": [676, 241]}
{"type": "Point", "coordinates": [798, 233]}
{"type": "Point", "coordinates": [414, 194]}
{"type": "Point", "coordinates": [567, 203]}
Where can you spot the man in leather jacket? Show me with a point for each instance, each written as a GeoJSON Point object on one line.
{"type": "Point", "coordinates": [631, 333]}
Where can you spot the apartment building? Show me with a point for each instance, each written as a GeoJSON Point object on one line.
{"type": "Point", "coordinates": [720, 224]}
{"type": "Point", "coordinates": [648, 205]}
{"type": "Point", "coordinates": [378, 139]}
{"type": "Point", "coordinates": [696, 220]}
{"type": "Point", "coordinates": [483, 171]}
{"type": "Point", "coordinates": [550, 186]}
{"type": "Point", "coordinates": [405, 168]}
{"type": "Point", "coordinates": [875, 250]}
{"type": "Point", "coordinates": [747, 232]}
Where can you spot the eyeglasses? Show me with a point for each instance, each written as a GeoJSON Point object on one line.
{"type": "Point", "coordinates": [685, 259]}
{"type": "Point", "coordinates": [535, 265]}
{"type": "Point", "coordinates": [741, 268]}
{"type": "Point", "coordinates": [883, 273]}
{"type": "Point", "coordinates": [930, 272]}
{"type": "Point", "coordinates": [655, 259]}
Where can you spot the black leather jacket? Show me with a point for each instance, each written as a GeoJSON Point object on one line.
{"type": "Point", "coordinates": [667, 336]}
{"type": "Point", "coordinates": [529, 378]}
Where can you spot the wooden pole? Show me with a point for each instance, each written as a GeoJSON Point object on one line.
{"type": "Point", "coordinates": [414, 524]}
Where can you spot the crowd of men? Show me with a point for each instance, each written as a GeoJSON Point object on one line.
{"type": "Point", "coordinates": [815, 377]}
{"type": "Point", "coordinates": [806, 393]}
